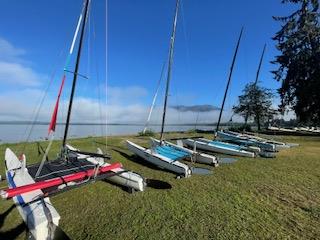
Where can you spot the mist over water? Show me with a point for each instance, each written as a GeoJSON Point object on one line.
{"type": "Point", "coordinates": [13, 133]}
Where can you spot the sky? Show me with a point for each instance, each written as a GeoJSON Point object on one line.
{"type": "Point", "coordinates": [125, 47]}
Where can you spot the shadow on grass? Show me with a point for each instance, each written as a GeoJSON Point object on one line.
{"type": "Point", "coordinates": [152, 183]}
{"type": "Point", "coordinates": [158, 184]}
{"type": "Point", "coordinates": [13, 233]}
{"type": "Point", "coordinates": [135, 159]}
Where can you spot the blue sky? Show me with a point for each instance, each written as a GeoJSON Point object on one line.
{"type": "Point", "coordinates": [36, 36]}
{"type": "Point", "coordinates": [206, 37]}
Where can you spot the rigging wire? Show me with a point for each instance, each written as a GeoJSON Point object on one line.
{"type": "Point", "coordinates": [187, 52]}
{"type": "Point", "coordinates": [37, 109]}
{"type": "Point", "coordinates": [106, 78]}
{"type": "Point", "coordinates": [97, 80]}
{"type": "Point", "coordinates": [155, 97]}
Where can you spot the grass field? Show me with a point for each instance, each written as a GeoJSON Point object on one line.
{"type": "Point", "coordinates": [250, 199]}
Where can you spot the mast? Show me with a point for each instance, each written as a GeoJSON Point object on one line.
{"type": "Point", "coordinates": [260, 63]}
{"type": "Point", "coordinates": [172, 39]}
{"type": "Point", "coordinates": [257, 76]}
{"type": "Point", "coordinates": [229, 80]}
{"type": "Point", "coordinates": [75, 73]}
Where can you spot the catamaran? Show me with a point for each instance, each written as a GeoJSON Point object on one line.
{"type": "Point", "coordinates": [30, 186]}
{"type": "Point", "coordinates": [235, 136]}
{"type": "Point", "coordinates": [240, 139]}
{"type": "Point", "coordinates": [246, 140]}
{"type": "Point", "coordinates": [162, 153]}
{"type": "Point", "coordinates": [219, 146]}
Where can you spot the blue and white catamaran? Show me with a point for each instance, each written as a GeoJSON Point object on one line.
{"type": "Point", "coordinates": [219, 146]}
{"type": "Point", "coordinates": [162, 153]}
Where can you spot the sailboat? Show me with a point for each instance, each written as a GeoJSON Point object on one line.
{"type": "Point", "coordinates": [30, 186]}
{"type": "Point", "coordinates": [241, 139]}
{"type": "Point", "coordinates": [235, 136]}
{"type": "Point", "coordinates": [266, 145]}
{"type": "Point", "coordinates": [219, 146]}
{"type": "Point", "coordinates": [164, 154]}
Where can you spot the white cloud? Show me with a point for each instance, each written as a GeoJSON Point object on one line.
{"type": "Point", "coordinates": [20, 105]}
{"type": "Point", "coordinates": [124, 95]}
{"type": "Point", "coordinates": [124, 104]}
{"type": "Point", "coordinates": [14, 69]}
{"type": "Point", "coordinates": [8, 52]}
{"type": "Point", "coordinates": [15, 73]}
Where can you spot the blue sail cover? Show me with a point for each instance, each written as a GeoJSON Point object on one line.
{"type": "Point", "coordinates": [225, 145]}
{"type": "Point", "coordinates": [170, 152]}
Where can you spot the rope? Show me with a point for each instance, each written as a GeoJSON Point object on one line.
{"type": "Point", "coordinates": [45, 156]}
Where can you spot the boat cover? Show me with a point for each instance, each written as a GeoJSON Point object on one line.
{"type": "Point", "coordinates": [170, 152]}
{"type": "Point", "coordinates": [225, 145]}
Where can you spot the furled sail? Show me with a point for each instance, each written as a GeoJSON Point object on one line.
{"type": "Point", "coordinates": [52, 125]}
{"type": "Point", "coordinates": [53, 122]}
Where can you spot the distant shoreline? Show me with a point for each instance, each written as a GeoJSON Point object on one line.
{"type": "Point", "coordinates": [113, 124]}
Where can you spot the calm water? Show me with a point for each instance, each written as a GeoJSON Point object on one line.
{"type": "Point", "coordinates": [18, 133]}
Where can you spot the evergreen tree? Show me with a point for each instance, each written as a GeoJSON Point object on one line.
{"type": "Point", "coordinates": [299, 62]}
{"type": "Point", "coordinates": [255, 103]}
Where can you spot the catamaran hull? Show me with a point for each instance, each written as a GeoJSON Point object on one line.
{"type": "Point", "coordinates": [123, 177]}
{"type": "Point", "coordinates": [238, 139]}
{"type": "Point", "coordinates": [39, 215]}
{"type": "Point", "coordinates": [203, 144]}
{"type": "Point", "coordinates": [278, 145]}
{"type": "Point", "coordinates": [130, 180]}
{"type": "Point", "coordinates": [159, 161]}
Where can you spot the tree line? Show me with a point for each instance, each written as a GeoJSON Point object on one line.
{"type": "Point", "coordinates": [297, 69]}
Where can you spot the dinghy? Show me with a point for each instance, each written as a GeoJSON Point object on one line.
{"type": "Point", "coordinates": [30, 186]}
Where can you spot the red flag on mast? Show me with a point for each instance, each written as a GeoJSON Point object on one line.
{"type": "Point", "coordinates": [53, 121]}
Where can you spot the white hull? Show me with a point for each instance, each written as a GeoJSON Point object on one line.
{"type": "Point", "coordinates": [159, 160]}
{"type": "Point", "coordinates": [278, 145]}
{"type": "Point", "coordinates": [246, 140]}
{"type": "Point", "coordinates": [230, 149]}
{"type": "Point", "coordinates": [124, 178]}
{"type": "Point", "coordinates": [281, 129]}
{"type": "Point", "coordinates": [36, 214]}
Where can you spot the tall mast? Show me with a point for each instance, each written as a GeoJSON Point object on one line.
{"type": "Point", "coordinates": [260, 63]}
{"type": "Point", "coordinates": [257, 77]}
{"type": "Point", "coordinates": [172, 39]}
{"type": "Point", "coordinates": [229, 80]}
{"type": "Point", "coordinates": [75, 73]}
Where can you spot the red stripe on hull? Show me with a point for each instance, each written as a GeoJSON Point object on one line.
{"type": "Point", "coordinates": [10, 193]}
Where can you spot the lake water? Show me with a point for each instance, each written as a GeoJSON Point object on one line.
{"type": "Point", "coordinates": [19, 132]}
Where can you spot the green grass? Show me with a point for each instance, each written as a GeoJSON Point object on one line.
{"type": "Point", "coordinates": [249, 199]}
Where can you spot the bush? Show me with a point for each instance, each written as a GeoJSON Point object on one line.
{"type": "Point", "coordinates": [147, 133]}
{"type": "Point", "coordinates": [242, 128]}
